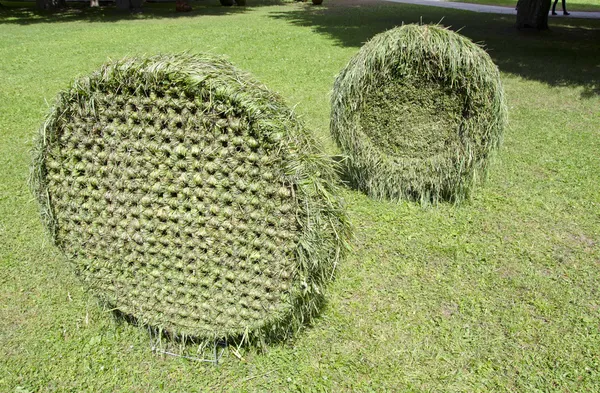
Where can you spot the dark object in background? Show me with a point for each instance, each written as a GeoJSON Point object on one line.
{"type": "Point", "coordinates": [134, 6]}
{"type": "Point", "coordinates": [182, 6]}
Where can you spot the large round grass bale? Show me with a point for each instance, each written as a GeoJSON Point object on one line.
{"type": "Point", "coordinates": [190, 197]}
{"type": "Point", "coordinates": [418, 111]}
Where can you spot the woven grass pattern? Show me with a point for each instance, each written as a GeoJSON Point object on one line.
{"type": "Point", "coordinates": [190, 197]}
{"type": "Point", "coordinates": [419, 112]}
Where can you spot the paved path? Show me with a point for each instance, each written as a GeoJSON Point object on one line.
{"type": "Point", "coordinates": [493, 9]}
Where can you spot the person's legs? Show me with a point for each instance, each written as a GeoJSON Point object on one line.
{"type": "Point", "coordinates": [554, 7]}
{"type": "Point", "coordinates": [564, 4]}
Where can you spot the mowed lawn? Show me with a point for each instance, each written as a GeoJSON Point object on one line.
{"type": "Point", "coordinates": [498, 294]}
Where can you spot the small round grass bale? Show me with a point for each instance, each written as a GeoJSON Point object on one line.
{"type": "Point", "coordinates": [189, 196]}
{"type": "Point", "coordinates": [418, 111]}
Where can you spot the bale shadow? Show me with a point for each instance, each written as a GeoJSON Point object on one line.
{"type": "Point", "coordinates": [165, 342]}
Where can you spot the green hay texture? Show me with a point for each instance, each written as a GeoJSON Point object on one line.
{"type": "Point", "coordinates": [189, 196]}
{"type": "Point", "coordinates": [418, 111]}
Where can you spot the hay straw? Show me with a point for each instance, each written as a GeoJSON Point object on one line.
{"type": "Point", "coordinates": [419, 112]}
{"type": "Point", "coordinates": [190, 197]}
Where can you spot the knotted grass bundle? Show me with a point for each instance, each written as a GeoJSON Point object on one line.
{"type": "Point", "coordinates": [190, 197]}
{"type": "Point", "coordinates": [418, 111]}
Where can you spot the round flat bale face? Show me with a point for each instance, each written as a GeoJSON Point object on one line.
{"type": "Point", "coordinates": [418, 110]}
{"type": "Point", "coordinates": [173, 208]}
{"type": "Point", "coordinates": [175, 205]}
{"type": "Point", "coordinates": [405, 118]}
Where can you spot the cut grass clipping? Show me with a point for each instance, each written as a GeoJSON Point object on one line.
{"type": "Point", "coordinates": [188, 196]}
{"type": "Point", "coordinates": [418, 111]}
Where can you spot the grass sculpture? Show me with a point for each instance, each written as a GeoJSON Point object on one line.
{"type": "Point", "coordinates": [418, 111]}
{"type": "Point", "coordinates": [189, 196]}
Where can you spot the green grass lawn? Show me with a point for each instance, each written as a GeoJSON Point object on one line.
{"type": "Point", "coordinates": [579, 5]}
{"type": "Point", "coordinates": [498, 294]}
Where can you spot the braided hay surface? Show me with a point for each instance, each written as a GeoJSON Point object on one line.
{"type": "Point", "coordinates": [419, 110]}
{"type": "Point", "coordinates": [188, 196]}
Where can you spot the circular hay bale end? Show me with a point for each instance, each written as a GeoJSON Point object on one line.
{"type": "Point", "coordinates": [418, 111]}
{"type": "Point", "coordinates": [189, 197]}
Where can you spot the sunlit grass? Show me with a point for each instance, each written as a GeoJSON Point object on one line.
{"type": "Point", "coordinates": [498, 294]}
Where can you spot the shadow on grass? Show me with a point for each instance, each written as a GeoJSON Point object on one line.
{"type": "Point", "coordinates": [571, 5]}
{"type": "Point", "coordinates": [25, 13]}
{"type": "Point", "coordinates": [167, 342]}
{"type": "Point", "coordinates": [567, 55]}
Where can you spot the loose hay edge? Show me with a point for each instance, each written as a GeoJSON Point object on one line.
{"type": "Point", "coordinates": [450, 59]}
{"type": "Point", "coordinates": [308, 168]}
